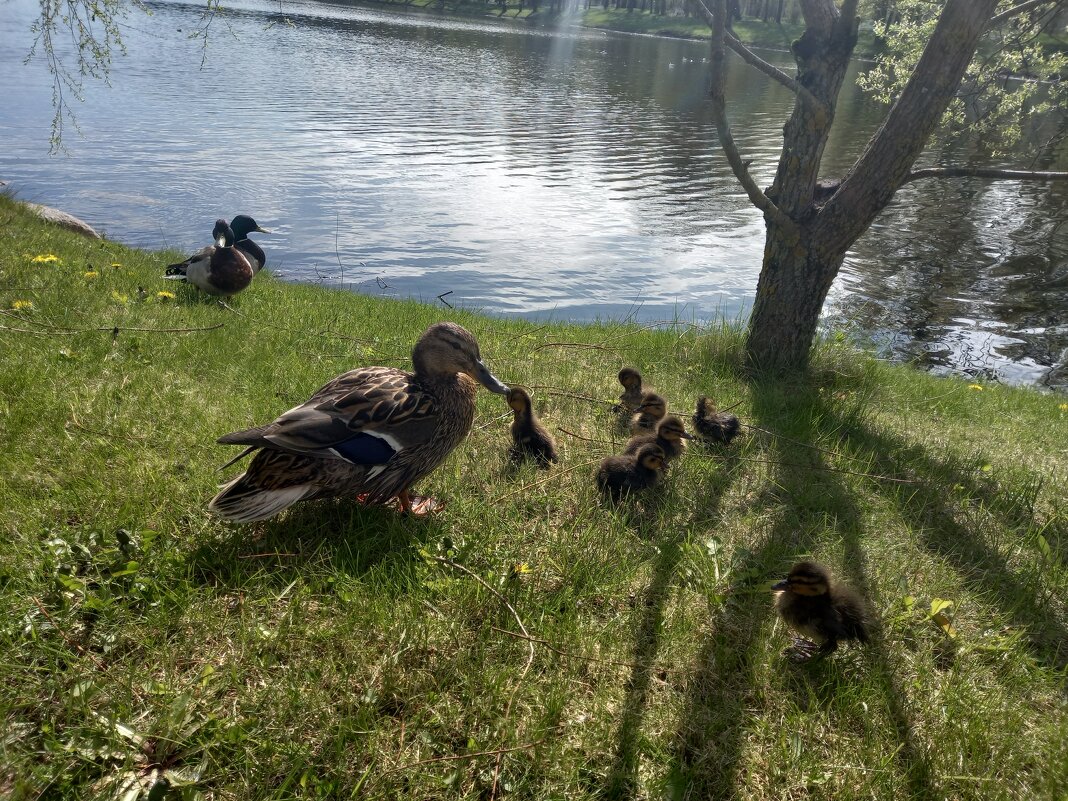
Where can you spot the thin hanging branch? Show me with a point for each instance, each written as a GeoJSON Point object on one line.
{"type": "Point", "coordinates": [985, 172]}
{"type": "Point", "coordinates": [716, 94]}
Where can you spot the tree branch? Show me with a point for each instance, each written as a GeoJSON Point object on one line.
{"type": "Point", "coordinates": [1022, 7]}
{"type": "Point", "coordinates": [985, 172]}
{"type": "Point", "coordinates": [755, 61]}
{"type": "Point", "coordinates": [773, 72]}
{"type": "Point", "coordinates": [719, 114]}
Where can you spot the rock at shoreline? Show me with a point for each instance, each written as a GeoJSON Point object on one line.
{"type": "Point", "coordinates": [63, 220]}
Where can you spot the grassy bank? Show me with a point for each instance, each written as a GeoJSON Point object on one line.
{"type": "Point", "coordinates": [751, 31]}
{"type": "Point", "coordinates": [341, 651]}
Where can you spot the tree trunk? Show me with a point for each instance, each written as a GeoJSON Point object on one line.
{"type": "Point", "coordinates": [800, 265]}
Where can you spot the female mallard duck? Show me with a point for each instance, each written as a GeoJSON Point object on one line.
{"type": "Point", "coordinates": [669, 435]}
{"type": "Point", "coordinates": [714, 426]}
{"type": "Point", "coordinates": [631, 472]}
{"type": "Point", "coordinates": [632, 394]}
{"type": "Point", "coordinates": [220, 269]}
{"type": "Point", "coordinates": [371, 432]}
{"type": "Point", "coordinates": [529, 436]}
{"type": "Point", "coordinates": [243, 225]}
{"type": "Point", "coordinates": [649, 412]}
{"type": "Point", "coordinates": [818, 608]}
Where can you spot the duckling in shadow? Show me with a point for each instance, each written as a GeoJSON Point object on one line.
{"type": "Point", "coordinates": [817, 607]}
{"type": "Point", "coordinates": [633, 391]}
{"type": "Point", "coordinates": [670, 435]}
{"type": "Point", "coordinates": [529, 437]}
{"type": "Point", "coordinates": [648, 414]}
{"type": "Point", "coordinates": [631, 472]}
{"type": "Point", "coordinates": [714, 426]}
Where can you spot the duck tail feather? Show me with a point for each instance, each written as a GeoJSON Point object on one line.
{"type": "Point", "coordinates": [176, 270]}
{"type": "Point", "coordinates": [243, 502]}
{"type": "Point", "coordinates": [248, 436]}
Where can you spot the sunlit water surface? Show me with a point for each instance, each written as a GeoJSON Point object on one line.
{"type": "Point", "coordinates": [566, 174]}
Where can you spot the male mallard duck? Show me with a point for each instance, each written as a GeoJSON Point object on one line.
{"type": "Point", "coordinates": [815, 606]}
{"type": "Point", "coordinates": [529, 436]}
{"type": "Point", "coordinates": [714, 426]}
{"type": "Point", "coordinates": [630, 472]}
{"type": "Point", "coordinates": [371, 432]}
{"type": "Point", "coordinates": [219, 269]}
{"type": "Point", "coordinates": [243, 225]}
{"type": "Point", "coordinates": [669, 435]}
{"type": "Point", "coordinates": [648, 414]}
{"type": "Point", "coordinates": [632, 394]}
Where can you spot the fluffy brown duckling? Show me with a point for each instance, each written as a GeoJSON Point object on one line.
{"type": "Point", "coordinates": [670, 435]}
{"type": "Point", "coordinates": [529, 436]}
{"type": "Point", "coordinates": [816, 607]}
{"type": "Point", "coordinates": [633, 391]}
{"type": "Point", "coordinates": [714, 426]}
{"type": "Point", "coordinates": [648, 414]}
{"type": "Point", "coordinates": [631, 472]}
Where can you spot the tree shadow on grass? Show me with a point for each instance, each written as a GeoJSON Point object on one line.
{"type": "Point", "coordinates": [622, 776]}
{"type": "Point", "coordinates": [933, 505]}
{"type": "Point", "coordinates": [321, 537]}
{"type": "Point", "coordinates": [807, 504]}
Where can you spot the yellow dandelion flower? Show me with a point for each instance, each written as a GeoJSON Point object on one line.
{"type": "Point", "coordinates": [90, 274]}
{"type": "Point", "coordinates": [976, 387]}
{"type": "Point", "coordinates": [45, 258]}
{"type": "Point", "coordinates": [1063, 407]}
{"type": "Point", "coordinates": [163, 294]}
{"type": "Point", "coordinates": [116, 265]}
{"type": "Point", "coordinates": [22, 305]}
{"type": "Point", "coordinates": [119, 297]}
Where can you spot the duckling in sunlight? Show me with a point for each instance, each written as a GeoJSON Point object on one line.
{"type": "Point", "coordinates": [816, 607]}
{"type": "Point", "coordinates": [670, 435]}
{"type": "Point", "coordinates": [648, 414]}
{"type": "Point", "coordinates": [220, 269]}
{"type": "Point", "coordinates": [714, 426]}
{"type": "Point", "coordinates": [529, 436]}
{"type": "Point", "coordinates": [631, 472]}
{"type": "Point", "coordinates": [631, 398]}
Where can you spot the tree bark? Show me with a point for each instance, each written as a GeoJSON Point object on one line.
{"type": "Point", "coordinates": [800, 265]}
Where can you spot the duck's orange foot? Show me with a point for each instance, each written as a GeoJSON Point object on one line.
{"type": "Point", "coordinates": [419, 505]}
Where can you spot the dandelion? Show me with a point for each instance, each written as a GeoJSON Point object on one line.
{"type": "Point", "coordinates": [119, 297]}
{"type": "Point", "coordinates": [976, 387]}
{"type": "Point", "coordinates": [90, 274]}
{"type": "Point", "coordinates": [45, 258]}
{"type": "Point", "coordinates": [22, 305]}
{"type": "Point", "coordinates": [116, 265]}
{"type": "Point", "coordinates": [1063, 407]}
{"type": "Point", "coordinates": [163, 294]}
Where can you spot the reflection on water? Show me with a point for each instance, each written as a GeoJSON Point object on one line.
{"type": "Point", "coordinates": [564, 174]}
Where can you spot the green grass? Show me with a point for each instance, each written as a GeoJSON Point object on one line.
{"type": "Point", "coordinates": [329, 654]}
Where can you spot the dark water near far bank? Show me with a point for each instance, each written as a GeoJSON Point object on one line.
{"type": "Point", "coordinates": [564, 174]}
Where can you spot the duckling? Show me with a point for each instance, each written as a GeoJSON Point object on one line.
{"type": "Point", "coordinates": [630, 472]}
{"type": "Point", "coordinates": [220, 269]}
{"type": "Point", "coordinates": [813, 605]}
{"type": "Point", "coordinates": [631, 397]}
{"type": "Point", "coordinates": [371, 432]}
{"type": "Point", "coordinates": [243, 225]}
{"type": "Point", "coordinates": [714, 426]}
{"type": "Point", "coordinates": [670, 436]}
{"type": "Point", "coordinates": [529, 436]}
{"type": "Point", "coordinates": [648, 413]}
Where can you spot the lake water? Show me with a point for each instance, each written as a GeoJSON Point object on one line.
{"type": "Point", "coordinates": [546, 173]}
